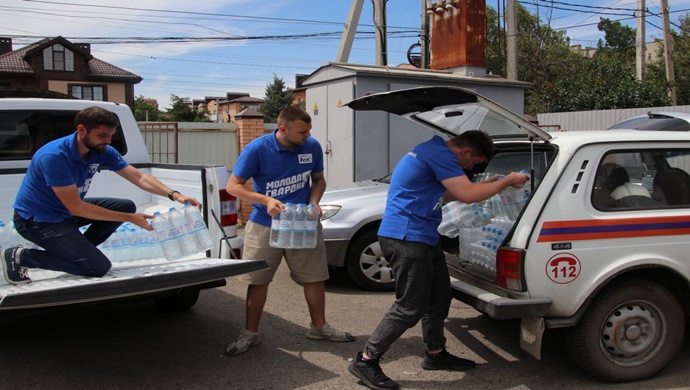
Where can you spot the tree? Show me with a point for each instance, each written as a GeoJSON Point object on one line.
{"type": "Point", "coordinates": [681, 62]}
{"type": "Point", "coordinates": [564, 80]}
{"type": "Point", "coordinates": [277, 98]}
{"type": "Point", "coordinates": [144, 111]}
{"type": "Point", "coordinates": [182, 111]}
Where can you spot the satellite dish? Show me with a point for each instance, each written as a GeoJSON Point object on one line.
{"type": "Point", "coordinates": [414, 55]}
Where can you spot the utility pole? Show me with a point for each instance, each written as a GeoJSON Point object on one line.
{"type": "Point", "coordinates": [381, 36]}
{"type": "Point", "coordinates": [511, 40]}
{"type": "Point", "coordinates": [350, 30]}
{"type": "Point", "coordinates": [640, 46]}
{"type": "Point", "coordinates": [424, 41]}
{"type": "Point", "coordinates": [668, 50]}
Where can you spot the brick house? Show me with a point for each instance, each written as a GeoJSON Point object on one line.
{"type": "Point", "coordinates": [60, 66]}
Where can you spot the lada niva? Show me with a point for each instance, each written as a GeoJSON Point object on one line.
{"type": "Point", "coordinates": [601, 246]}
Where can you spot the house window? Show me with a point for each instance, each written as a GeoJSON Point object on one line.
{"type": "Point", "coordinates": [88, 92]}
{"type": "Point", "coordinates": [57, 57]}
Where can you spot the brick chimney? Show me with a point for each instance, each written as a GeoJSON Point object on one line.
{"type": "Point", "coordinates": [458, 36]}
{"type": "Point", "coordinates": [84, 46]}
{"type": "Point", "coordinates": [5, 45]}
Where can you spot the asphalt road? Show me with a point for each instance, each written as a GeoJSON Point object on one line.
{"type": "Point", "coordinates": [135, 346]}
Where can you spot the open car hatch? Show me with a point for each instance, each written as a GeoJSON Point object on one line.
{"type": "Point", "coordinates": [450, 111]}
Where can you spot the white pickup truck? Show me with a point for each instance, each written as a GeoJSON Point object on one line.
{"type": "Point", "coordinates": [27, 124]}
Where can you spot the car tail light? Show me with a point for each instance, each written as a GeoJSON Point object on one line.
{"type": "Point", "coordinates": [228, 209]}
{"type": "Point", "coordinates": [509, 262]}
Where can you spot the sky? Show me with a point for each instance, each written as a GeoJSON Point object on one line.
{"type": "Point", "coordinates": [207, 48]}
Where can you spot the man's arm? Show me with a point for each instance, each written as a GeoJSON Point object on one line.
{"type": "Point", "coordinates": [237, 186]}
{"type": "Point", "coordinates": [69, 196]}
{"type": "Point", "coordinates": [318, 187]}
{"type": "Point", "coordinates": [151, 184]}
{"type": "Point", "coordinates": [462, 189]}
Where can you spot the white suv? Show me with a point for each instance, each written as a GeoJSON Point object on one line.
{"type": "Point", "coordinates": [601, 246]}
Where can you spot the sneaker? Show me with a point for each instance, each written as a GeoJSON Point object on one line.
{"type": "Point", "coordinates": [369, 372]}
{"type": "Point", "coordinates": [445, 361]}
{"type": "Point", "coordinates": [245, 340]}
{"type": "Point", "coordinates": [14, 273]}
{"type": "Point", "coordinates": [327, 332]}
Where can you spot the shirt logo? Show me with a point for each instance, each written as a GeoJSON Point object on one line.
{"type": "Point", "coordinates": [93, 168]}
{"type": "Point", "coordinates": [304, 158]}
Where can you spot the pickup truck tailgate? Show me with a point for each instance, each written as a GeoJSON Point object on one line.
{"type": "Point", "coordinates": [125, 279]}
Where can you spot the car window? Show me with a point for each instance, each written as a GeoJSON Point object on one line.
{"type": "Point", "coordinates": [631, 180]}
{"type": "Point", "coordinates": [654, 123]}
{"type": "Point", "coordinates": [506, 162]}
{"type": "Point", "coordinates": [23, 132]}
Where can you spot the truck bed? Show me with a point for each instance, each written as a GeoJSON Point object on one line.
{"type": "Point", "coordinates": [127, 278]}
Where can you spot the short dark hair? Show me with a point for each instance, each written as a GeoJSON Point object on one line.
{"type": "Point", "coordinates": [291, 114]}
{"type": "Point", "coordinates": [94, 116]}
{"type": "Point", "coordinates": [479, 141]}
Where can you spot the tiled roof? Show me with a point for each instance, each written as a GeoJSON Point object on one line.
{"type": "Point", "coordinates": [244, 99]}
{"type": "Point", "coordinates": [14, 62]}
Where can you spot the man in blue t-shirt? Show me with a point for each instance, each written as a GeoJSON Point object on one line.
{"type": "Point", "coordinates": [285, 166]}
{"type": "Point", "coordinates": [431, 173]}
{"type": "Point", "coordinates": [50, 206]}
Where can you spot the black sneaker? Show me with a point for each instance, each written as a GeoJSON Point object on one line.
{"type": "Point", "coordinates": [445, 361]}
{"type": "Point", "coordinates": [369, 371]}
{"type": "Point", "coordinates": [14, 273]}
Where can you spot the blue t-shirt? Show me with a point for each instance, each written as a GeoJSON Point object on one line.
{"type": "Point", "coordinates": [58, 164]}
{"type": "Point", "coordinates": [415, 195]}
{"type": "Point", "coordinates": [277, 172]}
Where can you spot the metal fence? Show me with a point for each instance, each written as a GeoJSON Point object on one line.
{"type": "Point", "coordinates": [193, 142]}
{"type": "Point", "coordinates": [596, 120]}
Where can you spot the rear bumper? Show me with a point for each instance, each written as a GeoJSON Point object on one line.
{"type": "Point", "coordinates": [497, 307]}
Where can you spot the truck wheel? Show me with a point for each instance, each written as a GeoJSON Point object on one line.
{"type": "Point", "coordinates": [183, 300]}
{"type": "Point", "coordinates": [631, 331]}
{"type": "Point", "coordinates": [366, 265]}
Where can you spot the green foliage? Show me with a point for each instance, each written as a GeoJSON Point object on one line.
{"type": "Point", "coordinates": [564, 80]}
{"type": "Point", "coordinates": [182, 111]}
{"type": "Point", "coordinates": [145, 111]}
{"type": "Point", "coordinates": [277, 97]}
{"type": "Point", "coordinates": [681, 62]}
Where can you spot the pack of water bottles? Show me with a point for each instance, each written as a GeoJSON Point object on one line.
{"type": "Point", "coordinates": [482, 227]}
{"type": "Point", "coordinates": [181, 232]}
{"type": "Point", "coordinates": [10, 237]}
{"type": "Point", "coordinates": [176, 234]}
{"type": "Point", "coordinates": [295, 227]}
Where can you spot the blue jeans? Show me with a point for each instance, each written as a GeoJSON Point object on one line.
{"type": "Point", "coordinates": [422, 292]}
{"type": "Point", "coordinates": [66, 248]}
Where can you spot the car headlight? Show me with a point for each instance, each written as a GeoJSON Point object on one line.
{"type": "Point", "coordinates": [329, 210]}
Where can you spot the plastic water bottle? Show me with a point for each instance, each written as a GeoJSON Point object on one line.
{"type": "Point", "coordinates": [187, 241]}
{"type": "Point", "coordinates": [299, 225]}
{"type": "Point", "coordinates": [312, 229]}
{"type": "Point", "coordinates": [287, 218]}
{"type": "Point", "coordinates": [197, 227]}
{"type": "Point", "coordinates": [4, 237]}
{"type": "Point", "coordinates": [168, 236]}
{"type": "Point", "coordinates": [275, 230]}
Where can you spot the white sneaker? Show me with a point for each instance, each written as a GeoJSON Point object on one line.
{"type": "Point", "coordinates": [327, 332]}
{"type": "Point", "coordinates": [245, 340]}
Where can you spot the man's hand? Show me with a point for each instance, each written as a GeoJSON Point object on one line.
{"type": "Point", "coordinates": [142, 220]}
{"type": "Point", "coordinates": [517, 180]}
{"type": "Point", "coordinates": [184, 199]}
{"type": "Point", "coordinates": [274, 207]}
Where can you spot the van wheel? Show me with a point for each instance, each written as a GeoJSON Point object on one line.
{"type": "Point", "coordinates": [183, 300]}
{"type": "Point", "coordinates": [631, 331]}
{"type": "Point", "coordinates": [366, 265]}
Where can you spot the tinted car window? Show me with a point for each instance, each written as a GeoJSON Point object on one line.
{"type": "Point", "coordinates": [23, 132]}
{"type": "Point", "coordinates": [642, 180]}
{"type": "Point", "coordinates": [654, 123]}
